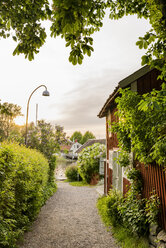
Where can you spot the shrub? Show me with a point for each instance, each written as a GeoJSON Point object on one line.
{"type": "Point", "coordinates": [113, 201]}
{"type": "Point", "coordinates": [132, 212]}
{"type": "Point", "coordinates": [23, 189]}
{"type": "Point", "coordinates": [88, 161]}
{"type": "Point", "coordinates": [122, 234]}
{"type": "Point", "coordinates": [72, 172]}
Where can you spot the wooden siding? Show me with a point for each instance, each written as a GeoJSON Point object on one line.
{"type": "Point", "coordinates": [154, 180]}
{"type": "Point", "coordinates": [148, 82]}
{"type": "Point", "coordinates": [112, 141]}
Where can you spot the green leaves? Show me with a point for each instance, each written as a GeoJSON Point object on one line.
{"type": "Point", "coordinates": [88, 161]}
{"type": "Point", "coordinates": [142, 125]}
{"type": "Point", "coordinates": [76, 21]}
{"type": "Point", "coordinates": [23, 190]}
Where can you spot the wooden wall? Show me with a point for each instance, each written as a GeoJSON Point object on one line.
{"type": "Point", "coordinates": [148, 82]}
{"type": "Point", "coordinates": [154, 180]}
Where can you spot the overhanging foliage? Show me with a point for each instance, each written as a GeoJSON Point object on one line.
{"type": "Point", "coordinates": [76, 21]}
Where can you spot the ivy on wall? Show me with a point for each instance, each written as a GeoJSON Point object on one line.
{"type": "Point", "coordinates": [142, 125]}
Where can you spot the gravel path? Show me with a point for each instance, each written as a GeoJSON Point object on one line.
{"type": "Point", "coordinates": [69, 220]}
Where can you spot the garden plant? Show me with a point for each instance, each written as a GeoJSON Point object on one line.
{"type": "Point", "coordinates": [24, 187]}
{"type": "Point", "coordinates": [88, 161]}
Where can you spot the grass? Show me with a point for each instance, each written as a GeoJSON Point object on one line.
{"type": "Point", "coordinates": [79, 184]}
{"type": "Point", "coordinates": [120, 233]}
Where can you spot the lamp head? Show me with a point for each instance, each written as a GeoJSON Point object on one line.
{"type": "Point", "coordinates": [46, 93]}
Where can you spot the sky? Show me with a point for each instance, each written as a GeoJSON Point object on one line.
{"type": "Point", "coordinates": [77, 93]}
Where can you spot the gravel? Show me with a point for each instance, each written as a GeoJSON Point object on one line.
{"type": "Point", "coordinates": [69, 220]}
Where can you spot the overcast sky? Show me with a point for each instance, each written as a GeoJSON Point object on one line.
{"type": "Point", "coordinates": [77, 93]}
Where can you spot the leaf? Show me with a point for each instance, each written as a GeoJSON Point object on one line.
{"type": "Point", "coordinates": [79, 60]}
{"type": "Point", "coordinates": [145, 60]}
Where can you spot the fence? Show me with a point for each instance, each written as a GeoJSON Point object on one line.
{"type": "Point", "coordinates": [154, 180]}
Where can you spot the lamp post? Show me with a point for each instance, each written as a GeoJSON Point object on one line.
{"type": "Point", "coordinates": [45, 93]}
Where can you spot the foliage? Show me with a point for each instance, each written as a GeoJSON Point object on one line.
{"type": "Point", "coordinates": [88, 135]}
{"type": "Point", "coordinates": [127, 239]}
{"type": "Point", "coordinates": [142, 125]}
{"type": "Point", "coordinates": [88, 161]}
{"type": "Point", "coordinates": [103, 210]}
{"type": "Point", "coordinates": [77, 135]}
{"type": "Point", "coordinates": [135, 178]}
{"type": "Point", "coordinates": [152, 209]}
{"type": "Point", "coordinates": [76, 22]}
{"type": "Point", "coordinates": [132, 209]}
{"type": "Point", "coordinates": [124, 159]}
{"type": "Point", "coordinates": [46, 138]}
{"type": "Point", "coordinates": [72, 172]}
{"type": "Point", "coordinates": [114, 199]}
{"type": "Point", "coordinates": [131, 212]}
{"type": "Point", "coordinates": [24, 188]}
{"type": "Point", "coordinates": [120, 233]}
{"type": "Point", "coordinates": [8, 112]}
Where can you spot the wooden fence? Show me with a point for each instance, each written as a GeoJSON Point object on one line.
{"type": "Point", "coordinates": [154, 180]}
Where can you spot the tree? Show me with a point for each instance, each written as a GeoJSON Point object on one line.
{"type": "Point", "coordinates": [46, 138]}
{"type": "Point", "coordinates": [8, 112]}
{"type": "Point", "coordinates": [76, 21]}
{"type": "Point", "coordinates": [77, 135]}
{"type": "Point", "coordinates": [86, 136]}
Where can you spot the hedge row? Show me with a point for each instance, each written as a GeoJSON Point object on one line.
{"type": "Point", "coordinates": [24, 187]}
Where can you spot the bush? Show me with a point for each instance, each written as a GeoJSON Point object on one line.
{"type": "Point", "coordinates": [72, 173]}
{"type": "Point", "coordinates": [113, 201]}
{"type": "Point", "coordinates": [132, 212]}
{"type": "Point", "coordinates": [88, 161]}
{"type": "Point", "coordinates": [24, 189]}
{"type": "Point", "coordinates": [122, 234]}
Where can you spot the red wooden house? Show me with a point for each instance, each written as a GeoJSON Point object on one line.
{"type": "Point", "coordinates": [154, 178]}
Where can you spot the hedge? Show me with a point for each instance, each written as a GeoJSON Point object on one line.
{"type": "Point", "coordinates": [72, 172]}
{"type": "Point", "coordinates": [24, 188]}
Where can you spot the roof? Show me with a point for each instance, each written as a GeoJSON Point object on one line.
{"type": "Point", "coordinates": [122, 84]}
{"type": "Point", "coordinates": [133, 77]}
{"type": "Point", "coordinates": [103, 111]}
{"type": "Point", "coordinates": [65, 147]}
{"type": "Point", "coordinates": [91, 142]}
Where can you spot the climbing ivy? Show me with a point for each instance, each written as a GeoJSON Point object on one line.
{"type": "Point", "coordinates": [142, 125]}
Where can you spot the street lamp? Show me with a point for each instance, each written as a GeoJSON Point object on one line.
{"type": "Point", "coordinates": [45, 93]}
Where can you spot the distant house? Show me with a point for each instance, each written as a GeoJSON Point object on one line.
{"type": "Point", "coordinates": [72, 154]}
{"type": "Point", "coordinates": [154, 179]}
{"type": "Point", "coordinates": [75, 146]}
{"type": "Point", "coordinates": [90, 142]}
{"type": "Point", "coordinates": [65, 148]}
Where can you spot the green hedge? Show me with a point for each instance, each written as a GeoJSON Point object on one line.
{"type": "Point", "coordinates": [24, 187]}
{"type": "Point", "coordinates": [72, 173]}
